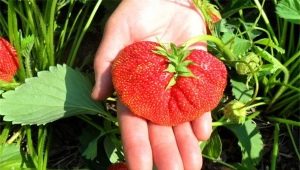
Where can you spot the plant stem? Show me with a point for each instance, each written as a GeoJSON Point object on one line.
{"type": "Point", "coordinates": [284, 102]}
{"type": "Point", "coordinates": [282, 88]}
{"type": "Point", "coordinates": [283, 33]}
{"type": "Point", "coordinates": [31, 149]}
{"type": "Point", "coordinates": [293, 141]}
{"type": "Point", "coordinates": [292, 59]}
{"type": "Point", "coordinates": [216, 124]}
{"type": "Point", "coordinates": [42, 135]}
{"type": "Point", "coordinates": [46, 154]}
{"type": "Point", "coordinates": [50, 14]}
{"type": "Point", "coordinates": [221, 46]}
{"type": "Point", "coordinates": [14, 137]}
{"type": "Point", "coordinates": [255, 105]}
{"type": "Point", "coordinates": [82, 33]}
{"type": "Point", "coordinates": [286, 121]}
{"type": "Point", "coordinates": [13, 35]}
{"type": "Point", "coordinates": [275, 147]}
{"type": "Point", "coordinates": [5, 133]}
{"type": "Point", "coordinates": [219, 161]}
{"type": "Point", "coordinates": [266, 20]}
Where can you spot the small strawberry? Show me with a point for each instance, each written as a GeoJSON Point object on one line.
{"type": "Point", "coordinates": [250, 60]}
{"type": "Point", "coordinates": [235, 111]}
{"type": "Point", "coordinates": [168, 86]}
{"type": "Point", "coordinates": [8, 61]}
{"type": "Point", "coordinates": [118, 166]}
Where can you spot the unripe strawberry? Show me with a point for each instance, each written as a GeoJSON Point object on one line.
{"type": "Point", "coordinates": [235, 111]}
{"type": "Point", "coordinates": [8, 61]}
{"type": "Point", "coordinates": [252, 60]}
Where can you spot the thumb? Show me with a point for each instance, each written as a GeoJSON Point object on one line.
{"type": "Point", "coordinates": [114, 39]}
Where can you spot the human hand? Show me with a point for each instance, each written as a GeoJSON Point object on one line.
{"type": "Point", "coordinates": [144, 142]}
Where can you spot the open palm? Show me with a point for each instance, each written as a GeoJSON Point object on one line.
{"type": "Point", "coordinates": [144, 142]}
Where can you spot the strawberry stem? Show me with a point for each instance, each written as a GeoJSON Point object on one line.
{"type": "Point", "coordinates": [221, 46]}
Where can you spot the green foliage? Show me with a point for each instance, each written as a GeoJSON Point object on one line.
{"type": "Point", "coordinates": [10, 157]}
{"type": "Point", "coordinates": [289, 10]}
{"type": "Point", "coordinates": [238, 45]}
{"type": "Point", "coordinates": [89, 141]}
{"type": "Point", "coordinates": [241, 91]}
{"type": "Point", "coordinates": [250, 142]}
{"type": "Point", "coordinates": [213, 147]}
{"type": "Point", "coordinates": [55, 94]}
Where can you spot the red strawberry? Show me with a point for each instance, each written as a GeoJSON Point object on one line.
{"type": "Point", "coordinates": [118, 166]}
{"type": "Point", "coordinates": [8, 61]}
{"type": "Point", "coordinates": [168, 90]}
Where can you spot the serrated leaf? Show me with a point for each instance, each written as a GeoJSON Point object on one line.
{"type": "Point", "coordinates": [55, 94]}
{"type": "Point", "coordinates": [289, 10]}
{"type": "Point", "coordinates": [213, 147]}
{"type": "Point", "coordinates": [250, 142]}
{"type": "Point", "coordinates": [240, 91]}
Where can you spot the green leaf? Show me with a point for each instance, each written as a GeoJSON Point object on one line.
{"type": "Point", "coordinates": [289, 10]}
{"type": "Point", "coordinates": [26, 45]}
{"type": "Point", "coordinates": [111, 150]}
{"type": "Point", "coordinates": [268, 42]}
{"type": "Point", "coordinates": [10, 156]}
{"type": "Point", "coordinates": [89, 143]}
{"type": "Point", "coordinates": [238, 45]}
{"type": "Point", "coordinates": [250, 142]}
{"type": "Point", "coordinates": [213, 147]}
{"type": "Point", "coordinates": [55, 94]}
{"type": "Point", "coordinates": [240, 91]}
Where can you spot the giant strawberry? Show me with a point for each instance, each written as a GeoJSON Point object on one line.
{"type": "Point", "coordinates": [168, 86]}
{"type": "Point", "coordinates": [8, 61]}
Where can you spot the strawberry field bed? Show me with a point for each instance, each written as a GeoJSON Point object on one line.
{"type": "Point", "coordinates": [49, 121]}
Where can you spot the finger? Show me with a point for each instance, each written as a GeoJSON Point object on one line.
{"type": "Point", "coordinates": [164, 148]}
{"type": "Point", "coordinates": [114, 39]}
{"type": "Point", "coordinates": [188, 146]}
{"type": "Point", "coordinates": [135, 138]}
{"type": "Point", "coordinates": [202, 126]}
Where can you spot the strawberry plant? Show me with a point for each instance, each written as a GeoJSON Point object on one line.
{"type": "Point", "coordinates": [49, 121]}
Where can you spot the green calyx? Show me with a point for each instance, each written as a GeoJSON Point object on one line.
{"type": "Point", "coordinates": [178, 64]}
